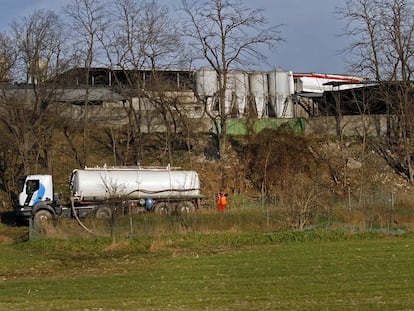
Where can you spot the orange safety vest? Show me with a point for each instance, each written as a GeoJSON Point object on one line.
{"type": "Point", "coordinates": [222, 199]}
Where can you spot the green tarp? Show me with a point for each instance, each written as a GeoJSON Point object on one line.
{"type": "Point", "coordinates": [245, 126]}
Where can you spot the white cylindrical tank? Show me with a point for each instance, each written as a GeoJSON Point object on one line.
{"type": "Point", "coordinates": [259, 92]}
{"type": "Point", "coordinates": [206, 82]}
{"type": "Point", "coordinates": [98, 184]}
{"type": "Point", "coordinates": [281, 87]}
{"type": "Point", "coordinates": [237, 91]}
{"type": "Point", "coordinates": [206, 86]}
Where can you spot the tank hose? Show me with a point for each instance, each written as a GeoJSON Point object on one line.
{"type": "Point", "coordinates": [72, 203]}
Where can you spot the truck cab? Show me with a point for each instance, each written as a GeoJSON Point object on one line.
{"type": "Point", "coordinates": [36, 195]}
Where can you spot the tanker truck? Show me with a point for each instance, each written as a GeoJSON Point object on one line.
{"type": "Point", "coordinates": [103, 191]}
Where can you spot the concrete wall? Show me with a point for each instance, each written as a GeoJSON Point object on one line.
{"type": "Point", "coordinates": [374, 125]}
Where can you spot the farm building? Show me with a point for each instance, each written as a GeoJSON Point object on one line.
{"type": "Point", "coordinates": [267, 93]}
{"type": "Point", "coordinates": [111, 94]}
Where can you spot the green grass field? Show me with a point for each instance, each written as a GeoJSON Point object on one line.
{"type": "Point", "coordinates": [210, 272]}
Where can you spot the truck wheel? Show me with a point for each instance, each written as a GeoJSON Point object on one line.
{"type": "Point", "coordinates": [185, 207]}
{"type": "Point", "coordinates": [103, 212]}
{"type": "Point", "coordinates": [162, 208]}
{"type": "Point", "coordinates": [42, 216]}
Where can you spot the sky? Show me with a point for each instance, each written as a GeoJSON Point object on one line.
{"type": "Point", "coordinates": [311, 30]}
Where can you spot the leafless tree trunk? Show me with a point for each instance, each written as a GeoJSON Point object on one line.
{"type": "Point", "coordinates": [88, 23]}
{"type": "Point", "coordinates": [226, 35]}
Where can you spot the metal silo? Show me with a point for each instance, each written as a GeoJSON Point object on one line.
{"type": "Point", "coordinates": [206, 85]}
{"type": "Point", "coordinates": [259, 92]}
{"type": "Point", "coordinates": [236, 92]}
{"type": "Point", "coordinates": [206, 82]}
{"type": "Point", "coordinates": [281, 87]}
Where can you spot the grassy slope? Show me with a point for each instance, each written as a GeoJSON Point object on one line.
{"type": "Point", "coordinates": [192, 274]}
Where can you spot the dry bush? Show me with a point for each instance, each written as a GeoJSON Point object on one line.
{"type": "Point", "coordinates": [283, 168]}
{"type": "Point", "coordinates": [274, 156]}
{"type": "Point", "coordinates": [300, 200]}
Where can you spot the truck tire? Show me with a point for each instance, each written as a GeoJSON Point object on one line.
{"type": "Point", "coordinates": [162, 208]}
{"type": "Point", "coordinates": [185, 207]}
{"type": "Point", "coordinates": [42, 216]}
{"type": "Point", "coordinates": [103, 212]}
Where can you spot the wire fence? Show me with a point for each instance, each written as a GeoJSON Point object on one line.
{"type": "Point", "coordinates": [376, 209]}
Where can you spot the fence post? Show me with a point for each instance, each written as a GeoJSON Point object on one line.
{"type": "Point", "coordinates": [131, 227]}
{"type": "Point", "coordinates": [392, 206]}
{"type": "Point", "coordinates": [30, 228]}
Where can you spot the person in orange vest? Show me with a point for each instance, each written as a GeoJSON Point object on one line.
{"type": "Point", "coordinates": [221, 201]}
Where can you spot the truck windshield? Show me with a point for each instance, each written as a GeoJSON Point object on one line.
{"type": "Point", "coordinates": [32, 186]}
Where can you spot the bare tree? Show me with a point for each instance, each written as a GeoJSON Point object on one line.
{"type": "Point", "coordinates": [8, 55]}
{"type": "Point", "coordinates": [143, 40]}
{"type": "Point", "coordinates": [27, 110]}
{"type": "Point", "coordinates": [383, 31]}
{"type": "Point", "coordinates": [363, 19]}
{"type": "Point", "coordinates": [302, 204]}
{"type": "Point", "coordinates": [227, 35]}
{"type": "Point", "coordinates": [87, 21]}
{"type": "Point", "coordinates": [142, 35]}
